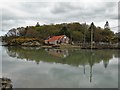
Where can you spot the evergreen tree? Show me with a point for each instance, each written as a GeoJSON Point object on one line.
{"type": "Point", "coordinates": [106, 26]}
{"type": "Point", "coordinates": [37, 25]}
{"type": "Point", "coordinates": [64, 31]}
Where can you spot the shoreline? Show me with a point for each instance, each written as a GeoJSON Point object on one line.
{"type": "Point", "coordinates": [63, 47]}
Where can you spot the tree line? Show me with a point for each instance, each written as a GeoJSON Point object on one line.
{"type": "Point", "coordinates": [75, 31]}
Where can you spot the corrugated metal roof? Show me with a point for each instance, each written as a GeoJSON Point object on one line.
{"type": "Point", "coordinates": [54, 38]}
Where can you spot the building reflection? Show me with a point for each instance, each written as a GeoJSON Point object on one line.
{"type": "Point", "coordinates": [58, 52]}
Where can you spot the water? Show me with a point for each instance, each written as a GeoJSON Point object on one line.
{"type": "Point", "coordinates": [55, 68]}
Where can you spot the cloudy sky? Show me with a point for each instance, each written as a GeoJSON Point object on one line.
{"type": "Point", "coordinates": [24, 13]}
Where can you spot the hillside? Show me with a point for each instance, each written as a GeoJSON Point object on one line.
{"type": "Point", "coordinates": [75, 31]}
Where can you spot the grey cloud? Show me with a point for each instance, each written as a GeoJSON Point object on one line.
{"type": "Point", "coordinates": [7, 15]}
{"type": "Point", "coordinates": [33, 7]}
{"type": "Point", "coordinates": [62, 7]}
{"type": "Point", "coordinates": [8, 24]}
{"type": "Point", "coordinates": [79, 10]}
{"type": "Point", "coordinates": [55, 12]}
{"type": "Point", "coordinates": [119, 10]}
{"type": "Point", "coordinates": [10, 15]}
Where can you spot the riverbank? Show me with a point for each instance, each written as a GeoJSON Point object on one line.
{"type": "Point", "coordinates": [68, 46]}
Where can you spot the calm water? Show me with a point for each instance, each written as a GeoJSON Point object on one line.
{"type": "Point", "coordinates": [55, 68]}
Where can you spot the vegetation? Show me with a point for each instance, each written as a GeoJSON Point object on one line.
{"type": "Point", "coordinates": [75, 31]}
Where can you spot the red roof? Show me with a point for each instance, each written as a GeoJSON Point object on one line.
{"type": "Point", "coordinates": [55, 38]}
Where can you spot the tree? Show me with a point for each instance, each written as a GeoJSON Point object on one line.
{"type": "Point", "coordinates": [64, 31]}
{"type": "Point", "coordinates": [77, 36]}
{"type": "Point", "coordinates": [98, 34]}
{"type": "Point", "coordinates": [107, 35]}
{"type": "Point", "coordinates": [37, 25]}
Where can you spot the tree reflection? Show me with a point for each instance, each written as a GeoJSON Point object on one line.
{"type": "Point", "coordinates": [72, 57]}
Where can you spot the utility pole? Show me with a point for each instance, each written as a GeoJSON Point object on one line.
{"type": "Point", "coordinates": [15, 36]}
{"type": "Point", "coordinates": [84, 68]}
{"type": "Point", "coordinates": [91, 38]}
{"type": "Point", "coordinates": [91, 28]}
{"type": "Point", "coordinates": [85, 34]}
{"type": "Point", "coordinates": [71, 39]}
{"type": "Point", "coordinates": [91, 62]}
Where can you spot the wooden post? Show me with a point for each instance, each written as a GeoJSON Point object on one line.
{"type": "Point", "coordinates": [91, 38]}
{"type": "Point", "coordinates": [92, 27]}
{"type": "Point", "coordinates": [85, 34]}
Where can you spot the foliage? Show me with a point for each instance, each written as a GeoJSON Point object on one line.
{"type": "Point", "coordinates": [77, 36]}
{"type": "Point", "coordinates": [75, 31]}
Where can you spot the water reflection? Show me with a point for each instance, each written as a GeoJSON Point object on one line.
{"type": "Point", "coordinates": [64, 56]}
{"type": "Point", "coordinates": [73, 57]}
{"type": "Point", "coordinates": [58, 52]}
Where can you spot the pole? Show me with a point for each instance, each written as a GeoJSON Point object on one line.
{"type": "Point", "coordinates": [84, 38]}
{"type": "Point", "coordinates": [85, 34]}
{"type": "Point", "coordinates": [91, 38]}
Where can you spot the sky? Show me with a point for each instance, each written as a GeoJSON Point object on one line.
{"type": "Point", "coordinates": [21, 13]}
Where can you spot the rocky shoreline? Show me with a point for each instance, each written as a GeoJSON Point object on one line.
{"type": "Point", "coordinates": [29, 43]}
{"type": "Point", "coordinates": [6, 84]}
{"type": "Point", "coordinates": [65, 46]}
{"type": "Point", "coordinates": [36, 43]}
